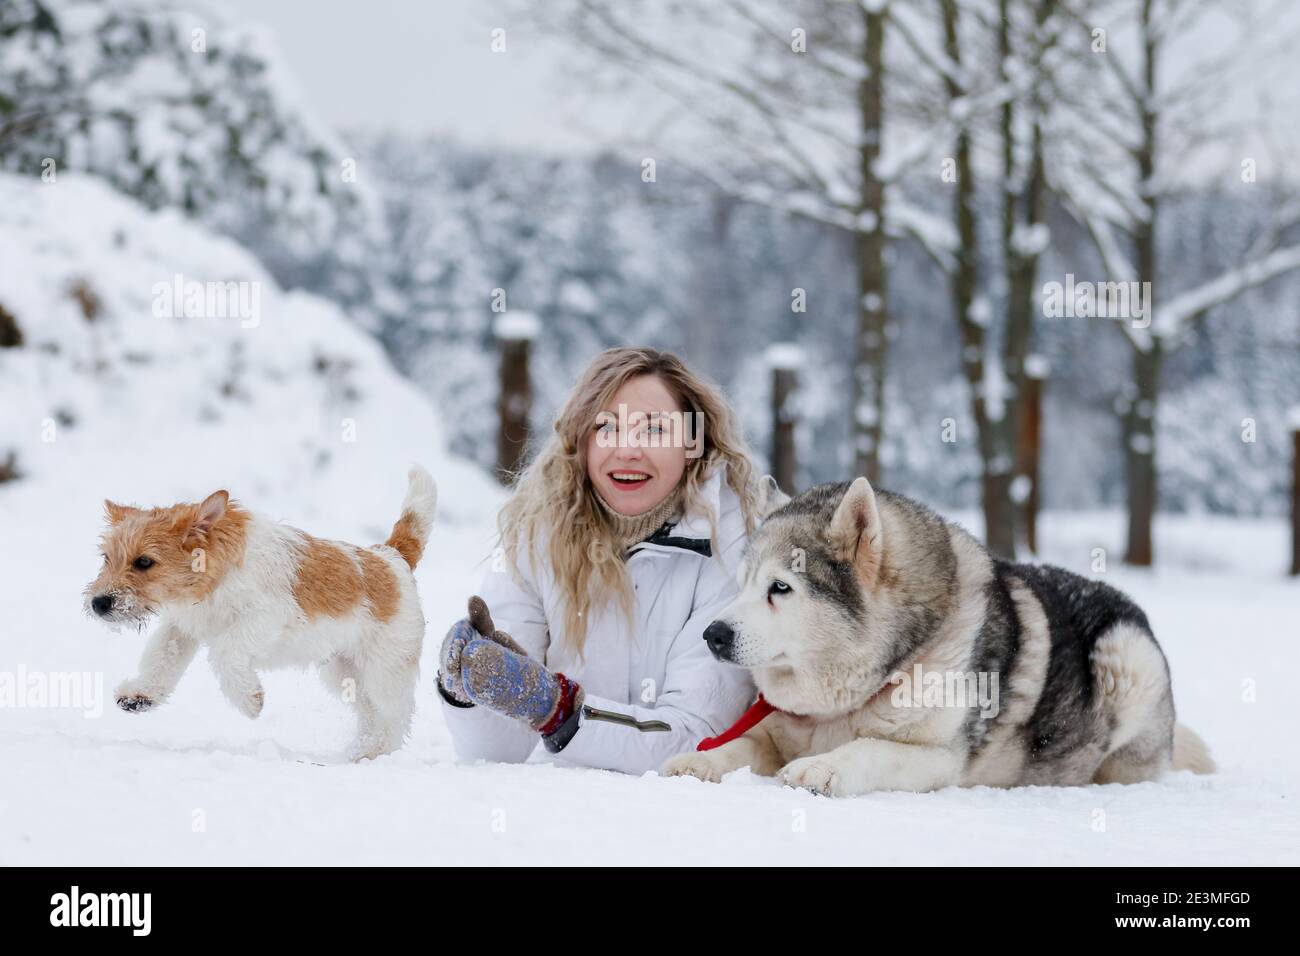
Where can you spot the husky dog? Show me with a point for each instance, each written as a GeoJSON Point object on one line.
{"type": "Point", "coordinates": [849, 597]}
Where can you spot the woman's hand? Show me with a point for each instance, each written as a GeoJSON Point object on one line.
{"type": "Point", "coordinates": [449, 662]}
{"type": "Point", "coordinates": [477, 626]}
{"type": "Point", "coordinates": [481, 665]}
{"type": "Point", "coordinates": [517, 686]}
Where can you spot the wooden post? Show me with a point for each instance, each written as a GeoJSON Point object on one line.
{"type": "Point", "coordinates": [784, 360]}
{"type": "Point", "coordinates": [1029, 449]}
{"type": "Point", "coordinates": [1295, 491]}
{"type": "Point", "coordinates": [515, 332]}
{"type": "Point", "coordinates": [11, 337]}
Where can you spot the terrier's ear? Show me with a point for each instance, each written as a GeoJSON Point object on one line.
{"type": "Point", "coordinates": [210, 512]}
{"type": "Point", "coordinates": [856, 534]}
{"type": "Point", "coordinates": [115, 512]}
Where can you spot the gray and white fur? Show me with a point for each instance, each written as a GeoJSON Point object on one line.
{"type": "Point", "coordinates": [848, 594]}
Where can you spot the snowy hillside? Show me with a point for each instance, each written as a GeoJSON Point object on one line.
{"type": "Point", "coordinates": [134, 406]}
{"type": "Point", "coordinates": [279, 396]}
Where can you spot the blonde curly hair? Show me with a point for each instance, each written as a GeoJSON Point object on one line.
{"type": "Point", "coordinates": [554, 493]}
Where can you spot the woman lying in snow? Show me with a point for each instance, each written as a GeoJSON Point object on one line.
{"type": "Point", "coordinates": [618, 548]}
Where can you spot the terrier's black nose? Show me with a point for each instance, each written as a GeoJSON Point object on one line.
{"type": "Point", "coordinates": [102, 604]}
{"type": "Point", "coordinates": [719, 636]}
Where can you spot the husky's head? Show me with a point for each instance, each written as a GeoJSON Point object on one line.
{"type": "Point", "coordinates": [833, 594]}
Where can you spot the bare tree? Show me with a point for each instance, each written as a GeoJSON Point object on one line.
{"type": "Point", "coordinates": [1154, 118]}
{"type": "Point", "coordinates": [984, 100]}
{"type": "Point", "coordinates": [786, 105]}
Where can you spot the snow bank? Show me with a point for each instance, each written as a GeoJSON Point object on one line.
{"type": "Point", "coordinates": [124, 389]}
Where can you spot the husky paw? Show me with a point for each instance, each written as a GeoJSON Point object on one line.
{"type": "Point", "coordinates": [696, 765]}
{"type": "Point", "coordinates": [251, 705]}
{"type": "Point", "coordinates": [817, 774]}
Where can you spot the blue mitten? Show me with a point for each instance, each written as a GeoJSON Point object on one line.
{"type": "Point", "coordinates": [517, 686]}
{"type": "Point", "coordinates": [449, 662]}
{"type": "Point", "coordinates": [477, 625]}
{"type": "Point", "coordinates": [480, 665]}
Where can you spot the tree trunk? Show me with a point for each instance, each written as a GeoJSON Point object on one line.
{"type": "Point", "coordinates": [990, 429]}
{"type": "Point", "coordinates": [1028, 455]}
{"type": "Point", "coordinates": [514, 403]}
{"type": "Point", "coordinates": [1295, 501]}
{"type": "Point", "coordinates": [1140, 417]}
{"type": "Point", "coordinates": [869, 353]}
{"type": "Point", "coordinates": [784, 462]}
{"type": "Point", "coordinates": [1140, 448]}
{"type": "Point", "coordinates": [1022, 208]}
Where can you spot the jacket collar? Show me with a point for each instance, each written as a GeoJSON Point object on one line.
{"type": "Point", "coordinates": [692, 532]}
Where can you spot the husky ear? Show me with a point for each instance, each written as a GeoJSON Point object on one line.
{"type": "Point", "coordinates": [769, 496]}
{"type": "Point", "coordinates": [856, 534]}
{"type": "Point", "coordinates": [210, 512]}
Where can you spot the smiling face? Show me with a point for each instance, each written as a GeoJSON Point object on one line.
{"type": "Point", "coordinates": [637, 458]}
{"type": "Point", "coordinates": [162, 556]}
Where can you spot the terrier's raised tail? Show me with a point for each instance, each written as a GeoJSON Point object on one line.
{"type": "Point", "coordinates": [412, 528]}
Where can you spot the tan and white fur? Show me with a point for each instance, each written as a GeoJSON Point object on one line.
{"type": "Point", "coordinates": [844, 592]}
{"type": "Point", "coordinates": [261, 595]}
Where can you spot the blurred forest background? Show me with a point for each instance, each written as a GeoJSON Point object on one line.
{"type": "Point", "coordinates": [887, 186]}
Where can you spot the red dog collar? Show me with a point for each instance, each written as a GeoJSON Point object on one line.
{"type": "Point", "coordinates": [757, 711]}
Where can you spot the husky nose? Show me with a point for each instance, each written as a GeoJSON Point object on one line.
{"type": "Point", "coordinates": [719, 636]}
{"type": "Point", "coordinates": [102, 604]}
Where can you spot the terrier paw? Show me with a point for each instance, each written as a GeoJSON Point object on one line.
{"type": "Point", "coordinates": [696, 765]}
{"type": "Point", "coordinates": [132, 700]}
{"type": "Point", "coordinates": [370, 749]}
{"type": "Point", "coordinates": [135, 703]}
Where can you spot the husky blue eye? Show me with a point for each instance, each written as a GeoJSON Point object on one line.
{"type": "Point", "coordinates": [778, 587]}
{"type": "Point", "coordinates": [142, 563]}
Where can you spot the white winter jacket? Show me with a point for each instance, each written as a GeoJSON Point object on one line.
{"type": "Point", "coordinates": [653, 690]}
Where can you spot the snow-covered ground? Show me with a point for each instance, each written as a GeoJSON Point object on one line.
{"type": "Point", "coordinates": [151, 410]}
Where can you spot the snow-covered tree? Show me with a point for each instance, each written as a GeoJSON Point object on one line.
{"type": "Point", "coordinates": [786, 105]}
{"type": "Point", "coordinates": [1158, 112]}
{"type": "Point", "coordinates": [187, 109]}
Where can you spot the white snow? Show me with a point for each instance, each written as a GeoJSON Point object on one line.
{"type": "Point", "coordinates": [995, 388]}
{"type": "Point", "coordinates": [783, 355]}
{"type": "Point", "coordinates": [577, 296]}
{"type": "Point", "coordinates": [169, 409]}
{"type": "Point", "coordinates": [1140, 444]}
{"type": "Point", "coordinates": [1037, 366]}
{"type": "Point", "coordinates": [980, 311]}
{"type": "Point", "coordinates": [517, 326]}
{"type": "Point", "coordinates": [1031, 240]}
{"type": "Point", "coordinates": [1170, 319]}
